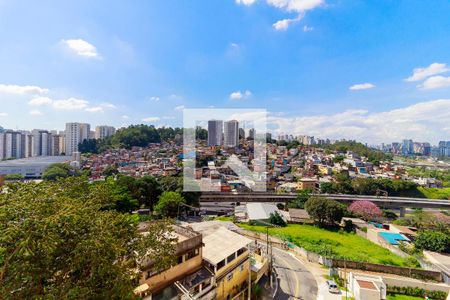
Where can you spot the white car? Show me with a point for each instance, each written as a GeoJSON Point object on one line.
{"type": "Point", "coordinates": [332, 287]}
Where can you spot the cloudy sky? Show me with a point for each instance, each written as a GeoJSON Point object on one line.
{"type": "Point", "coordinates": [376, 71]}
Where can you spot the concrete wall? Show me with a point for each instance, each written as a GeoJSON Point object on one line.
{"type": "Point", "coordinates": [366, 294]}
{"type": "Point", "coordinates": [407, 282]}
{"type": "Point", "coordinates": [407, 272]}
{"type": "Point", "coordinates": [163, 279]}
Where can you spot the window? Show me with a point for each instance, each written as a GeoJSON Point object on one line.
{"type": "Point", "coordinates": [240, 251]}
{"type": "Point", "coordinates": [231, 257]}
{"type": "Point", "coordinates": [230, 276]}
{"type": "Point", "coordinates": [221, 264]}
{"type": "Point", "coordinates": [192, 254]}
{"type": "Point", "coordinates": [180, 259]}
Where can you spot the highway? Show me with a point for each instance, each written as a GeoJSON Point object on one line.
{"type": "Point", "coordinates": [384, 202]}
{"type": "Point", "coordinates": [295, 281]}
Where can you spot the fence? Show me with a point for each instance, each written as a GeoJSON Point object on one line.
{"type": "Point", "coordinates": [402, 271]}
{"type": "Point", "coordinates": [340, 263]}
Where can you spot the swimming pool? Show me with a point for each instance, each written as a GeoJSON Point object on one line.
{"type": "Point", "coordinates": [393, 238]}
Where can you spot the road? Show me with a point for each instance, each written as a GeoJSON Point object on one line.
{"type": "Point", "coordinates": [295, 281]}
{"type": "Point", "coordinates": [384, 202]}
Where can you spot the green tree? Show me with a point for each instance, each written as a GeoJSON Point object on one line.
{"type": "Point", "coordinates": [148, 191]}
{"type": "Point", "coordinates": [59, 170]}
{"type": "Point", "coordinates": [276, 219]}
{"type": "Point", "coordinates": [57, 242]}
{"type": "Point", "coordinates": [300, 200]}
{"type": "Point", "coordinates": [136, 135]}
{"type": "Point", "coordinates": [14, 177]}
{"type": "Point", "coordinates": [338, 159]}
{"type": "Point", "coordinates": [388, 214]}
{"type": "Point", "coordinates": [110, 171]}
{"type": "Point", "coordinates": [201, 134]}
{"type": "Point", "coordinates": [122, 199]}
{"type": "Point", "coordinates": [89, 146]}
{"type": "Point", "coordinates": [327, 188]}
{"type": "Point", "coordinates": [168, 204]}
{"type": "Point", "coordinates": [324, 211]}
{"type": "Point", "coordinates": [175, 184]}
{"type": "Point", "coordinates": [433, 241]}
{"type": "Point", "coordinates": [145, 189]}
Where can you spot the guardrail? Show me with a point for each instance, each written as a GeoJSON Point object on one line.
{"type": "Point", "coordinates": [387, 202]}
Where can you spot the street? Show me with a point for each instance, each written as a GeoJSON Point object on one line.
{"type": "Point", "coordinates": [295, 281]}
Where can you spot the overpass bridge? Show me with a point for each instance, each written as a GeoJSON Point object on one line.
{"type": "Point", "coordinates": [386, 202]}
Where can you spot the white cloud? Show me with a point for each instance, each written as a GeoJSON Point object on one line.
{"type": "Point", "coordinates": [22, 89]}
{"type": "Point", "coordinates": [154, 99]}
{"type": "Point", "coordinates": [245, 2]}
{"type": "Point", "coordinates": [424, 121]}
{"type": "Point", "coordinates": [168, 117]}
{"type": "Point", "coordinates": [40, 101]}
{"type": "Point", "coordinates": [296, 5]}
{"type": "Point", "coordinates": [238, 95]}
{"type": "Point", "coordinates": [435, 82]}
{"type": "Point", "coordinates": [234, 46]}
{"type": "Point", "coordinates": [307, 28]}
{"type": "Point", "coordinates": [94, 109]}
{"type": "Point", "coordinates": [422, 73]}
{"type": "Point", "coordinates": [151, 119]}
{"type": "Point", "coordinates": [82, 48]}
{"type": "Point", "coordinates": [108, 105]}
{"type": "Point", "coordinates": [3, 114]}
{"type": "Point", "coordinates": [282, 25]}
{"type": "Point", "coordinates": [125, 117]}
{"type": "Point", "coordinates": [175, 97]}
{"type": "Point", "coordinates": [179, 107]}
{"type": "Point", "coordinates": [70, 104]}
{"type": "Point", "coordinates": [362, 86]}
{"type": "Point", "coordinates": [35, 112]}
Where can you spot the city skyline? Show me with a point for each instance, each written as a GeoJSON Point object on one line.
{"type": "Point", "coordinates": [316, 66]}
{"type": "Point", "coordinates": [102, 131]}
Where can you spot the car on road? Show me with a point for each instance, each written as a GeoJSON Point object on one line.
{"type": "Point", "coordinates": [332, 287]}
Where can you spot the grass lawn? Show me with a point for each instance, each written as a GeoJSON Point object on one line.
{"type": "Point", "coordinates": [402, 297]}
{"type": "Point", "coordinates": [224, 219]}
{"type": "Point", "coordinates": [344, 245]}
{"type": "Point", "coordinates": [433, 193]}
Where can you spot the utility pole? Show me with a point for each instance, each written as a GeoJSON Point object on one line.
{"type": "Point", "coordinates": [345, 277]}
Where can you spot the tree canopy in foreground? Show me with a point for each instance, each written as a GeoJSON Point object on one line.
{"type": "Point", "coordinates": [58, 240]}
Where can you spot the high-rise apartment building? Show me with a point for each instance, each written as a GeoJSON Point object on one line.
{"type": "Point", "coordinates": [231, 133]}
{"type": "Point", "coordinates": [444, 148]}
{"type": "Point", "coordinates": [104, 131]}
{"type": "Point", "coordinates": [241, 133]}
{"type": "Point", "coordinates": [407, 147]}
{"type": "Point", "coordinates": [56, 144]}
{"type": "Point", "coordinates": [12, 144]}
{"type": "Point", "coordinates": [251, 133]}
{"type": "Point", "coordinates": [62, 142]}
{"type": "Point", "coordinates": [215, 132]}
{"type": "Point", "coordinates": [75, 134]}
{"type": "Point", "coordinates": [41, 143]}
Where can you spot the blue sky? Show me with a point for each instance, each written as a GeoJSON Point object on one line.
{"type": "Point", "coordinates": [127, 62]}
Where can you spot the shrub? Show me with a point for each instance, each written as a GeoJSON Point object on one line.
{"type": "Point", "coordinates": [416, 292]}
{"type": "Point", "coordinates": [433, 241]}
{"type": "Point", "coordinates": [276, 219]}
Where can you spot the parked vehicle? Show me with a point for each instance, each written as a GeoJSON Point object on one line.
{"type": "Point", "coordinates": [332, 287]}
